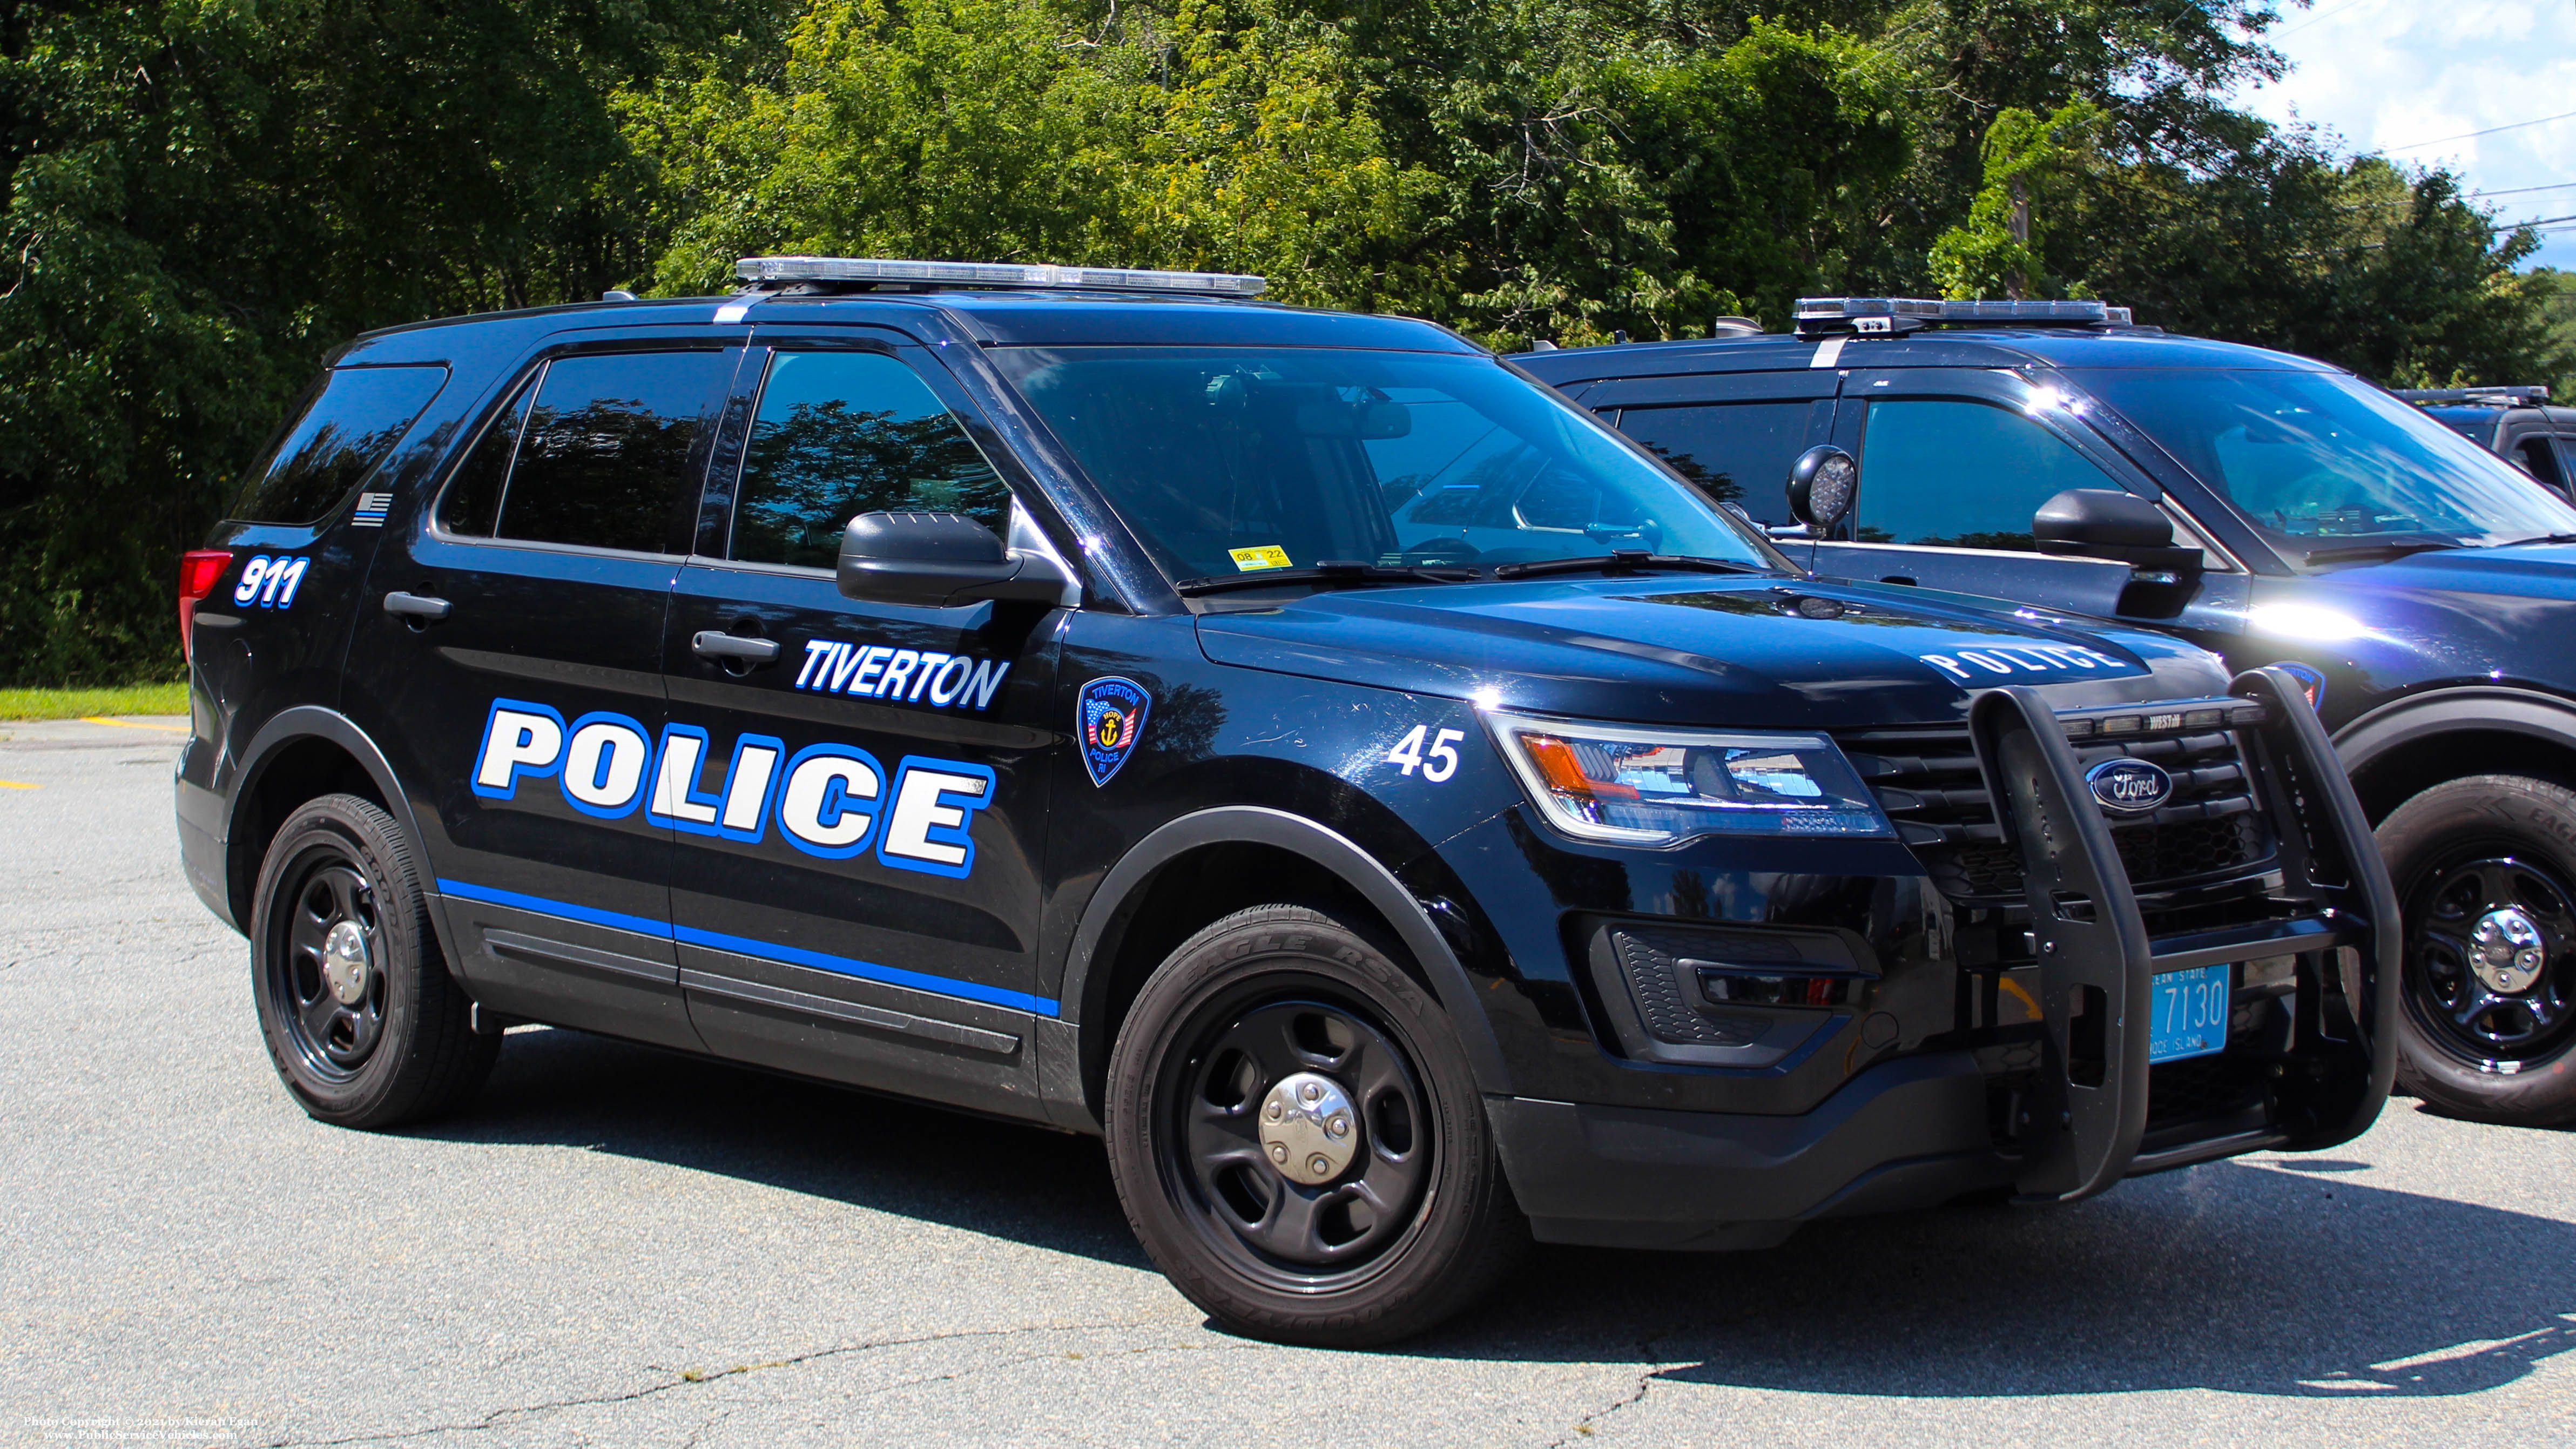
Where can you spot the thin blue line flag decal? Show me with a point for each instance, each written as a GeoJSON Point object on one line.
{"type": "Point", "coordinates": [1111, 716]}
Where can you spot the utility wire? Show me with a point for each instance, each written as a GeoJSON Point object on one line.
{"type": "Point", "coordinates": [2521, 190]}
{"type": "Point", "coordinates": [2489, 131]}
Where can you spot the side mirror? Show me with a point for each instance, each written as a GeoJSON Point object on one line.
{"type": "Point", "coordinates": [2107, 524]}
{"type": "Point", "coordinates": [940, 561]}
{"type": "Point", "coordinates": [1820, 487]}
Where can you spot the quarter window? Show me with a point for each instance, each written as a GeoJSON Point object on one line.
{"type": "Point", "coordinates": [603, 453]}
{"type": "Point", "coordinates": [839, 434]}
{"type": "Point", "coordinates": [1957, 474]}
{"type": "Point", "coordinates": [353, 421]}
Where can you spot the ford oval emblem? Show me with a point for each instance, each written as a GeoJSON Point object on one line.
{"type": "Point", "coordinates": [2129, 787]}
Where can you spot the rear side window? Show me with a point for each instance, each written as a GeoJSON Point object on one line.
{"type": "Point", "coordinates": [600, 455]}
{"type": "Point", "coordinates": [1737, 453]}
{"type": "Point", "coordinates": [839, 434]}
{"type": "Point", "coordinates": [353, 421]}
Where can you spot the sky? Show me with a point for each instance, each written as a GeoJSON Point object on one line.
{"type": "Point", "coordinates": [2409, 76]}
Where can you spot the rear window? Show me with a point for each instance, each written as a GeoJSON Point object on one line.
{"type": "Point", "coordinates": [353, 421]}
{"type": "Point", "coordinates": [598, 450]}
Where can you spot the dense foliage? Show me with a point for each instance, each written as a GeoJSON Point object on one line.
{"type": "Point", "coordinates": [205, 195]}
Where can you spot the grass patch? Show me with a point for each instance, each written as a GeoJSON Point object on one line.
{"type": "Point", "coordinates": [171, 698]}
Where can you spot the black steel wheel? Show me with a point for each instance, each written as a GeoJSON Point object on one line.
{"type": "Point", "coordinates": [2485, 869]}
{"type": "Point", "coordinates": [1298, 1140]}
{"type": "Point", "coordinates": [363, 1021]}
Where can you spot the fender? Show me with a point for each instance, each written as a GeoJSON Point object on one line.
{"type": "Point", "coordinates": [313, 721]}
{"type": "Point", "coordinates": [1085, 993]}
{"type": "Point", "coordinates": [2444, 711]}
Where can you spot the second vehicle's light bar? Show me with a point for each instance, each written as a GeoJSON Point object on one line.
{"type": "Point", "coordinates": [788, 271]}
{"type": "Point", "coordinates": [1904, 314]}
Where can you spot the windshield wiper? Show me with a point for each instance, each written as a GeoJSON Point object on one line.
{"type": "Point", "coordinates": [2539, 538]}
{"type": "Point", "coordinates": [1624, 561]}
{"type": "Point", "coordinates": [2355, 552]}
{"type": "Point", "coordinates": [1331, 573]}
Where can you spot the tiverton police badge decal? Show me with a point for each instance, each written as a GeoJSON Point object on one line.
{"type": "Point", "coordinates": [1111, 716]}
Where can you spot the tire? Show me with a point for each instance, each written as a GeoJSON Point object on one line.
{"type": "Point", "coordinates": [2487, 1031]}
{"type": "Point", "coordinates": [364, 1023]}
{"type": "Point", "coordinates": [1417, 1226]}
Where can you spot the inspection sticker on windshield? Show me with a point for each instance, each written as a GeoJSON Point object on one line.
{"type": "Point", "coordinates": [1268, 556]}
{"type": "Point", "coordinates": [2013, 663]}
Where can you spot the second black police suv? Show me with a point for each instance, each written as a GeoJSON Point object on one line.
{"type": "Point", "coordinates": [1396, 812]}
{"type": "Point", "coordinates": [2278, 510]}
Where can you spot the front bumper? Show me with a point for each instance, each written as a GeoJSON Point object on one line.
{"type": "Point", "coordinates": [1922, 1129]}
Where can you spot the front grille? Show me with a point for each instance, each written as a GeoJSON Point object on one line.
{"type": "Point", "coordinates": [1928, 782]}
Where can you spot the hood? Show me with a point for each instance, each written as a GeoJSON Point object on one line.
{"type": "Point", "coordinates": [1751, 651]}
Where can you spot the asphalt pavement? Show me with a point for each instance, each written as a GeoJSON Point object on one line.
{"type": "Point", "coordinates": [616, 1246]}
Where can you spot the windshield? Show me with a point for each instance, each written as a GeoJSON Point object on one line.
{"type": "Point", "coordinates": [1228, 461]}
{"type": "Point", "coordinates": [2324, 464]}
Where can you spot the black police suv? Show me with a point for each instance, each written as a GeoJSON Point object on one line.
{"type": "Point", "coordinates": [2516, 424]}
{"type": "Point", "coordinates": [1395, 811]}
{"type": "Point", "coordinates": [2272, 508]}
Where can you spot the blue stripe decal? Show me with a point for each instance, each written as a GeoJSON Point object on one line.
{"type": "Point", "coordinates": [762, 950]}
{"type": "Point", "coordinates": [644, 925]}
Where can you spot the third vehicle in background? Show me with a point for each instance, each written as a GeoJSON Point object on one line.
{"type": "Point", "coordinates": [2272, 508]}
{"type": "Point", "coordinates": [2516, 424]}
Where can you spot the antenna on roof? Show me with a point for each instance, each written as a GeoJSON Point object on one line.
{"type": "Point", "coordinates": [780, 273]}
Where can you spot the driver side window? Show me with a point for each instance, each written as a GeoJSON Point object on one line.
{"type": "Point", "coordinates": [1950, 473]}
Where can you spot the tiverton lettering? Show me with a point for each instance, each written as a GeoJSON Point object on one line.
{"type": "Point", "coordinates": [914, 676]}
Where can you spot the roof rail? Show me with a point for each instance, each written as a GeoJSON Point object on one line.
{"type": "Point", "coordinates": [1883, 316]}
{"type": "Point", "coordinates": [765, 274]}
{"type": "Point", "coordinates": [2495, 396]}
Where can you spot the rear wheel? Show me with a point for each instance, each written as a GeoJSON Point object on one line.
{"type": "Point", "coordinates": [360, 1015]}
{"type": "Point", "coordinates": [1298, 1140]}
{"type": "Point", "coordinates": [2485, 869]}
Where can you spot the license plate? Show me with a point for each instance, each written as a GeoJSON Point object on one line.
{"type": "Point", "coordinates": [2187, 1013]}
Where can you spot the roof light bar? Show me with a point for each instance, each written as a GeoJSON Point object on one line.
{"type": "Point", "coordinates": [1905, 314]}
{"type": "Point", "coordinates": [788, 271]}
{"type": "Point", "coordinates": [2505, 396]}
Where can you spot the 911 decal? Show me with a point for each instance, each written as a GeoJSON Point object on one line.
{"type": "Point", "coordinates": [828, 800]}
{"type": "Point", "coordinates": [915, 676]}
{"type": "Point", "coordinates": [270, 583]}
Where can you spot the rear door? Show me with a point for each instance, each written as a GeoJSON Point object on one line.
{"type": "Point", "coordinates": [1733, 435]}
{"type": "Point", "coordinates": [509, 659]}
{"type": "Point", "coordinates": [859, 790]}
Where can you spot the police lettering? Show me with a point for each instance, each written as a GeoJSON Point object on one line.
{"type": "Point", "coordinates": [829, 800]}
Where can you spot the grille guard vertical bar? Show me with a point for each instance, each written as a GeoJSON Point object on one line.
{"type": "Point", "coordinates": [2347, 1100]}
{"type": "Point", "coordinates": [2082, 1136]}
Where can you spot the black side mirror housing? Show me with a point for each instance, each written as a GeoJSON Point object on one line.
{"type": "Point", "coordinates": [1821, 484]}
{"type": "Point", "coordinates": [941, 561]}
{"type": "Point", "coordinates": [2105, 523]}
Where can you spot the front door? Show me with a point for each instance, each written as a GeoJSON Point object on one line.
{"type": "Point", "coordinates": [1953, 463]}
{"type": "Point", "coordinates": [509, 660]}
{"type": "Point", "coordinates": [859, 790]}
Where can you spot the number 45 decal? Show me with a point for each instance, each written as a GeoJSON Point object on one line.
{"type": "Point", "coordinates": [1437, 763]}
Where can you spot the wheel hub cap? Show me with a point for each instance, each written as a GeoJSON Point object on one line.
{"type": "Point", "coordinates": [2507, 951]}
{"type": "Point", "coordinates": [1309, 1130]}
{"type": "Point", "coordinates": [344, 962]}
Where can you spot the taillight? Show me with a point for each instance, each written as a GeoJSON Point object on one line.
{"type": "Point", "coordinates": [199, 571]}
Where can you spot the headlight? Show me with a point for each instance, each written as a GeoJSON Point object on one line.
{"type": "Point", "coordinates": [1644, 785]}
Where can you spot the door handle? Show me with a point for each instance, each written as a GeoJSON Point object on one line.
{"type": "Point", "coordinates": [415, 606]}
{"type": "Point", "coordinates": [710, 644]}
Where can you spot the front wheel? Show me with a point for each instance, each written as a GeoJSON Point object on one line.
{"type": "Point", "coordinates": [365, 1024]}
{"type": "Point", "coordinates": [1298, 1140]}
{"type": "Point", "coordinates": [2485, 869]}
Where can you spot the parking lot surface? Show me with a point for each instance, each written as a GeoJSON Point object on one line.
{"type": "Point", "coordinates": [621, 1247]}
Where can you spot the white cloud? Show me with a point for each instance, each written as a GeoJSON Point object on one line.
{"type": "Point", "coordinates": [2393, 74]}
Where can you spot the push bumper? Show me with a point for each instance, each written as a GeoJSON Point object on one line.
{"type": "Point", "coordinates": [1920, 1130]}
